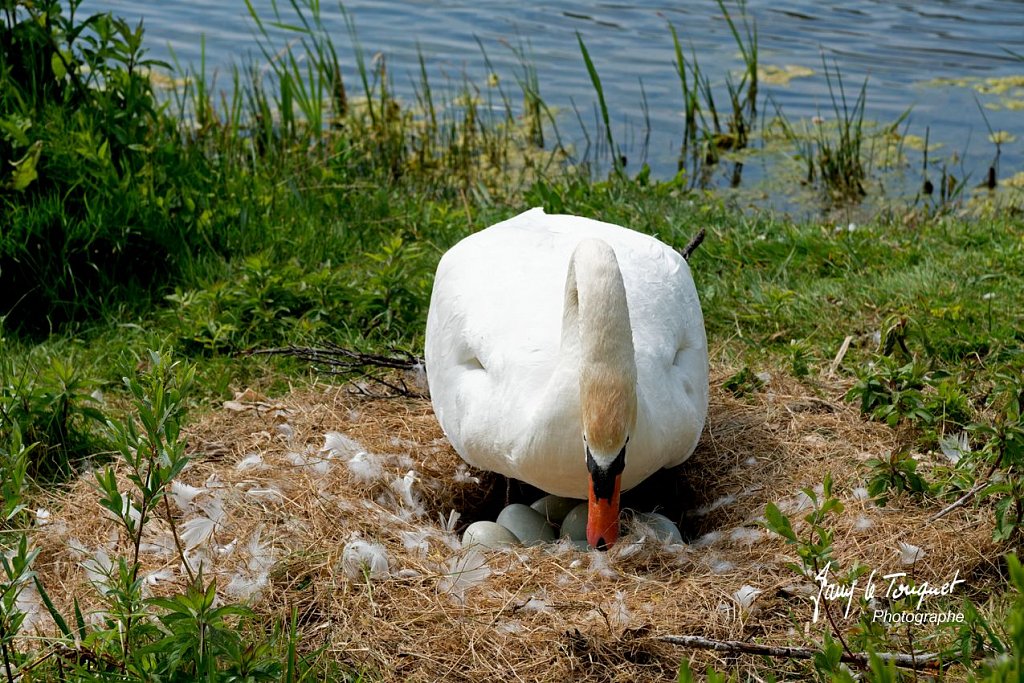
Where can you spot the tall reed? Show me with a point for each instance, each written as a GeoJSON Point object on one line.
{"type": "Point", "coordinates": [595, 80]}
{"type": "Point", "coordinates": [706, 131]}
{"type": "Point", "coordinates": [840, 157]}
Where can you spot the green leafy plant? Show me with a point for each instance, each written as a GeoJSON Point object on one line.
{"type": "Point", "coordinates": [197, 634]}
{"type": "Point", "coordinates": [895, 471]}
{"type": "Point", "coordinates": [711, 675]}
{"type": "Point", "coordinates": [152, 454]}
{"type": "Point", "coordinates": [48, 415]}
{"type": "Point", "coordinates": [743, 382]}
{"type": "Point", "coordinates": [891, 392]}
{"type": "Point", "coordinates": [1004, 451]}
{"type": "Point", "coordinates": [16, 577]}
{"type": "Point", "coordinates": [800, 357]}
{"type": "Point", "coordinates": [816, 551]}
{"type": "Point", "coordinates": [82, 210]}
{"type": "Point", "coordinates": [14, 459]}
{"type": "Point", "coordinates": [816, 558]}
{"type": "Point", "coordinates": [1001, 650]}
{"type": "Point", "coordinates": [189, 636]}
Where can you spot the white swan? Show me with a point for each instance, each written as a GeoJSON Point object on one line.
{"type": "Point", "coordinates": [570, 354]}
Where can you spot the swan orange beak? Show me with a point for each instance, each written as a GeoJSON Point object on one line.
{"type": "Point", "coordinates": [603, 517]}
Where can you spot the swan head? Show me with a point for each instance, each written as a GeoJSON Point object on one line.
{"type": "Point", "coordinates": [609, 410]}
{"type": "Point", "coordinates": [609, 417]}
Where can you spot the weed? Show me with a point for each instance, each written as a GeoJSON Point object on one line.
{"type": "Point", "coordinates": [92, 206]}
{"type": "Point", "coordinates": [840, 158]}
{"type": "Point", "coordinates": [816, 551]}
{"type": "Point", "coordinates": [743, 382]}
{"type": "Point", "coordinates": [817, 563]}
{"type": "Point", "coordinates": [198, 634]}
{"type": "Point", "coordinates": [999, 648]}
{"type": "Point", "coordinates": [16, 577]}
{"type": "Point", "coordinates": [816, 560]}
{"type": "Point", "coordinates": [890, 392]}
{"type": "Point", "coordinates": [595, 80]}
{"type": "Point", "coordinates": [1003, 451]}
{"type": "Point", "coordinates": [704, 134]}
{"type": "Point", "coordinates": [186, 636]}
{"type": "Point", "coordinates": [14, 461]}
{"type": "Point", "coordinates": [49, 405]}
{"type": "Point", "coordinates": [894, 471]}
{"type": "Point", "coordinates": [685, 674]}
{"type": "Point", "coordinates": [801, 354]}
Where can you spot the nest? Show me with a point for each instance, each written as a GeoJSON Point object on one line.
{"type": "Point", "coordinates": [341, 507]}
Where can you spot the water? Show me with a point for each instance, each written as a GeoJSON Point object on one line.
{"type": "Point", "coordinates": [900, 47]}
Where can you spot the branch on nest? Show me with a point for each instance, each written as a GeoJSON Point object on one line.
{"type": "Point", "coordinates": [337, 360]}
{"type": "Point", "coordinates": [911, 661]}
{"type": "Point", "coordinates": [962, 500]}
{"type": "Point", "coordinates": [692, 245]}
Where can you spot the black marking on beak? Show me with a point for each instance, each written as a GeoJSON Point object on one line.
{"type": "Point", "coordinates": [604, 477]}
{"type": "Point", "coordinates": [602, 545]}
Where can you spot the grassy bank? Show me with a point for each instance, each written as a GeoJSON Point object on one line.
{"type": "Point", "coordinates": [145, 209]}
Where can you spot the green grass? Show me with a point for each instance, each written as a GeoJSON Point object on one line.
{"type": "Point", "coordinates": [295, 209]}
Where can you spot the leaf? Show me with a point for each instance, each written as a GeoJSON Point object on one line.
{"type": "Point", "coordinates": [57, 618]}
{"type": "Point", "coordinates": [172, 605]}
{"type": "Point", "coordinates": [778, 522]}
{"type": "Point", "coordinates": [15, 129]}
{"type": "Point", "coordinates": [57, 64]}
{"type": "Point", "coordinates": [832, 505]}
{"type": "Point", "coordinates": [974, 617]}
{"type": "Point", "coordinates": [1005, 520]}
{"type": "Point", "coordinates": [79, 620]}
{"type": "Point", "coordinates": [685, 674]}
{"type": "Point", "coordinates": [25, 168]}
{"type": "Point", "coordinates": [992, 489]}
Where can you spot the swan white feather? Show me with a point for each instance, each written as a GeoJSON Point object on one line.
{"type": "Point", "coordinates": [504, 378]}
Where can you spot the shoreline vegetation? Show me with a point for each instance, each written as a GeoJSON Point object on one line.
{"type": "Point", "coordinates": [158, 227]}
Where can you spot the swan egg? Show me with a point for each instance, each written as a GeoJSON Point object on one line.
{"type": "Point", "coordinates": [529, 526]}
{"type": "Point", "coordinates": [555, 508]}
{"type": "Point", "coordinates": [488, 535]}
{"type": "Point", "coordinates": [574, 526]}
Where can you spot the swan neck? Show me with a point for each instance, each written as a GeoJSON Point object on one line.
{"type": "Point", "coordinates": [597, 331]}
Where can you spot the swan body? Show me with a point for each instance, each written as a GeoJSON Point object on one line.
{"type": "Point", "coordinates": [566, 352]}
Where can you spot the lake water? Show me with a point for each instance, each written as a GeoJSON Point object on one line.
{"type": "Point", "coordinates": [900, 47]}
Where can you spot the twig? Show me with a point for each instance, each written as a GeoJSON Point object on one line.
{"type": "Point", "coordinates": [400, 389]}
{"type": "Point", "coordinates": [337, 360]}
{"type": "Point", "coordinates": [177, 541]}
{"type": "Point", "coordinates": [840, 355]}
{"type": "Point", "coordinates": [345, 359]}
{"type": "Point", "coordinates": [911, 661]}
{"type": "Point", "coordinates": [959, 502]}
{"type": "Point", "coordinates": [693, 244]}
{"type": "Point", "coordinates": [847, 651]}
{"type": "Point", "coordinates": [7, 658]}
{"type": "Point", "coordinates": [75, 654]}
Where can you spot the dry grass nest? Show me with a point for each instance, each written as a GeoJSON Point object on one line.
{"type": "Point", "coordinates": [341, 506]}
